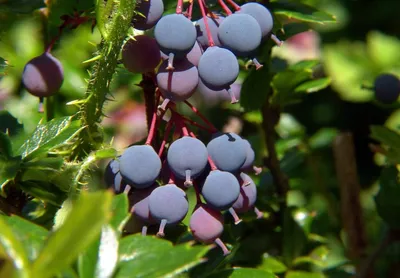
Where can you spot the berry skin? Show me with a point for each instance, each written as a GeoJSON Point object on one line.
{"type": "Point", "coordinates": [261, 14]}
{"type": "Point", "coordinates": [241, 34]}
{"type": "Point", "coordinates": [187, 158]}
{"type": "Point", "coordinates": [141, 55]}
{"type": "Point", "coordinates": [220, 190]}
{"type": "Point", "coordinates": [168, 205]}
{"type": "Point", "coordinates": [176, 36]}
{"type": "Point", "coordinates": [179, 84]}
{"type": "Point", "coordinates": [387, 88]}
{"type": "Point", "coordinates": [113, 178]}
{"type": "Point", "coordinates": [140, 166]}
{"type": "Point", "coordinates": [206, 225]}
{"type": "Point", "coordinates": [218, 69]}
{"type": "Point", "coordinates": [152, 11]}
{"type": "Point", "coordinates": [213, 24]}
{"type": "Point", "coordinates": [43, 75]}
{"type": "Point", "coordinates": [228, 151]}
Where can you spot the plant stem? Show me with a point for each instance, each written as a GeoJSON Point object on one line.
{"type": "Point", "coordinates": [49, 108]}
{"type": "Point", "coordinates": [91, 111]}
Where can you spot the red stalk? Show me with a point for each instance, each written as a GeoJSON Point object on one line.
{"type": "Point", "coordinates": [204, 14]}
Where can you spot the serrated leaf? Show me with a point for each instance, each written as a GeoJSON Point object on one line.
{"type": "Point", "coordinates": [120, 211]}
{"type": "Point", "coordinates": [313, 85]}
{"type": "Point", "coordinates": [255, 89]}
{"type": "Point", "coordinates": [81, 227]}
{"type": "Point", "coordinates": [20, 6]}
{"type": "Point", "coordinates": [48, 136]}
{"type": "Point", "coordinates": [242, 273]}
{"type": "Point", "coordinates": [158, 263]}
{"type": "Point", "coordinates": [31, 236]}
{"type": "Point", "coordinates": [272, 264]}
{"type": "Point", "coordinates": [12, 249]}
{"type": "Point", "coordinates": [295, 10]}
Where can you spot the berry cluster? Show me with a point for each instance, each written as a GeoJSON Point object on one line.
{"type": "Point", "coordinates": [216, 171]}
{"type": "Point", "coordinates": [200, 55]}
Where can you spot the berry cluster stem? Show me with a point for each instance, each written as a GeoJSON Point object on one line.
{"type": "Point", "coordinates": [204, 14]}
{"type": "Point", "coordinates": [224, 7]}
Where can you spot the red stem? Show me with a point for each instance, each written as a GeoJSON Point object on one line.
{"type": "Point", "coordinates": [165, 139]}
{"type": "Point", "coordinates": [224, 7]}
{"type": "Point", "coordinates": [153, 125]}
{"type": "Point", "coordinates": [197, 112]}
{"type": "Point", "coordinates": [193, 123]}
{"type": "Point", "coordinates": [235, 6]}
{"type": "Point", "coordinates": [179, 7]}
{"type": "Point", "coordinates": [203, 13]}
{"type": "Point", "coordinates": [190, 10]}
{"type": "Point", "coordinates": [171, 178]}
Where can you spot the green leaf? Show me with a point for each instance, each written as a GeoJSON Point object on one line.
{"type": "Point", "coordinates": [304, 65]}
{"type": "Point", "coordinates": [349, 66]}
{"type": "Point", "coordinates": [163, 260]}
{"type": "Point", "coordinates": [20, 6]}
{"type": "Point", "coordinates": [106, 153]}
{"type": "Point", "coordinates": [120, 211]}
{"type": "Point", "coordinates": [284, 84]}
{"type": "Point", "coordinates": [30, 235]}
{"type": "Point", "coordinates": [386, 136]}
{"type": "Point", "coordinates": [272, 264]}
{"type": "Point", "coordinates": [44, 191]}
{"type": "Point", "coordinates": [317, 257]}
{"type": "Point", "coordinates": [294, 238]}
{"type": "Point", "coordinates": [80, 228]}
{"type": "Point", "coordinates": [313, 85]}
{"type": "Point", "coordinates": [108, 253]}
{"type": "Point", "coordinates": [242, 273]}
{"type": "Point", "coordinates": [45, 163]}
{"type": "Point", "coordinates": [295, 10]}
{"type": "Point", "coordinates": [87, 260]}
{"type": "Point", "coordinates": [255, 89]}
{"type": "Point", "coordinates": [8, 169]}
{"type": "Point", "coordinates": [387, 199]}
{"type": "Point", "coordinates": [383, 49]}
{"type": "Point", "coordinates": [5, 145]}
{"type": "Point", "coordinates": [48, 136]}
{"type": "Point", "coordinates": [303, 274]}
{"type": "Point", "coordinates": [12, 249]}
{"type": "Point", "coordinates": [322, 138]}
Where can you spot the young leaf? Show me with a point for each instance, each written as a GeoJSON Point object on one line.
{"type": "Point", "coordinates": [8, 169]}
{"type": "Point", "coordinates": [136, 258]}
{"type": "Point", "coordinates": [12, 249]}
{"type": "Point", "coordinates": [80, 228]}
{"type": "Point", "coordinates": [48, 136]}
{"type": "Point", "coordinates": [242, 273]}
